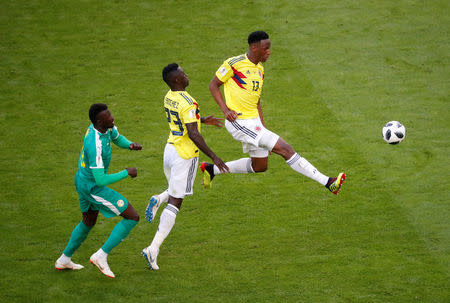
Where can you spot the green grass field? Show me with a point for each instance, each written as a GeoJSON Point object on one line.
{"type": "Point", "coordinates": [338, 71]}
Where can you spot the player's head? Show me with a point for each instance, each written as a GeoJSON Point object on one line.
{"type": "Point", "coordinates": [100, 115]}
{"type": "Point", "coordinates": [257, 36]}
{"type": "Point", "coordinates": [175, 77]}
{"type": "Point", "coordinates": [259, 45]}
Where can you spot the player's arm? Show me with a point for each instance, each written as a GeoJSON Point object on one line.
{"type": "Point", "coordinates": [197, 138]}
{"type": "Point", "coordinates": [102, 179]}
{"type": "Point", "coordinates": [211, 120]}
{"type": "Point", "coordinates": [258, 106]}
{"type": "Point", "coordinates": [214, 88]}
{"type": "Point", "coordinates": [122, 142]}
{"type": "Point", "coordinates": [94, 153]}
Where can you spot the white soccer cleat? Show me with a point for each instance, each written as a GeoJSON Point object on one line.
{"type": "Point", "coordinates": [102, 264]}
{"type": "Point", "coordinates": [152, 208]}
{"type": "Point", "coordinates": [70, 265]}
{"type": "Point", "coordinates": [150, 257]}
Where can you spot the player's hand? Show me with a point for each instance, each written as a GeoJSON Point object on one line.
{"type": "Point", "coordinates": [132, 171]}
{"type": "Point", "coordinates": [221, 165]}
{"type": "Point", "coordinates": [135, 146]}
{"type": "Point", "coordinates": [231, 115]}
{"type": "Point", "coordinates": [211, 120]}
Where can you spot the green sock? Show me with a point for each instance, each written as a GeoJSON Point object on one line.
{"type": "Point", "coordinates": [79, 234]}
{"type": "Point", "coordinates": [118, 234]}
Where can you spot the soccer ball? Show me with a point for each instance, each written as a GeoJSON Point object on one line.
{"type": "Point", "coordinates": [394, 132]}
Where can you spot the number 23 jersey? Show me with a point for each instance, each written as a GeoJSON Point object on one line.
{"type": "Point", "coordinates": [181, 109]}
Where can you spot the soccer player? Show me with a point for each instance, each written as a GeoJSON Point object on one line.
{"type": "Point", "coordinates": [90, 182]}
{"type": "Point", "coordinates": [243, 78]}
{"type": "Point", "coordinates": [180, 155]}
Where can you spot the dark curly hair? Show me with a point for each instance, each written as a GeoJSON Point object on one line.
{"type": "Point", "coordinates": [257, 36]}
{"type": "Point", "coordinates": [95, 109]}
{"type": "Point", "coordinates": [167, 70]}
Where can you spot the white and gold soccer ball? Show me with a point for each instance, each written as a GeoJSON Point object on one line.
{"type": "Point", "coordinates": [394, 132]}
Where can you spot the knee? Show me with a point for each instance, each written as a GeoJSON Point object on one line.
{"type": "Point", "coordinates": [134, 216]}
{"type": "Point", "coordinates": [89, 222]}
{"type": "Point", "coordinates": [285, 151]}
{"type": "Point", "coordinates": [90, 218]}
{"type": "Point", "coordinates": [175, 202]}
{"type": "Point", "coordinates": [259, 165]}
{"type": "Point", "coordinates": [260, 168]}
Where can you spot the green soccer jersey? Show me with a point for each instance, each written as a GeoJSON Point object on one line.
{"type": "Point", "coordinates": [96, 152]}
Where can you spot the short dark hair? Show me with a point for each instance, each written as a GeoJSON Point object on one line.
{"type": "Point", "coordinates": [257, 36]}
{"type": "Point", "coordinates": [167, 70]}
{"type": "Point", "coordinates": [95, 109]}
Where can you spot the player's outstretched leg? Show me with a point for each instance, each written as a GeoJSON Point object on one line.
{"type": "Point", "coordinates": [302, 166]}
{"type": "Point", "coordinates": [334, 184]}
{"type": "Point", "coordinates": [240, 166]}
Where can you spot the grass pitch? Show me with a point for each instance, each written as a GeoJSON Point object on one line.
{"type": "Point", "coordinates": [338, 71]}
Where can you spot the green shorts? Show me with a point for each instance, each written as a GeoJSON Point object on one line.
{"type": "Point", "coordinates": [109, 202]}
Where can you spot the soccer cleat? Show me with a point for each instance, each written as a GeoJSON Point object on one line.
{"type": "Point", "coordinates": [70, 265]}
{"type": "Point", "coordinates": [334, 185]}
{"type": "Point", "coordinates": [150, 258]}
{"type": "Point", "coordinates": [152, 208]}
{"type": "Point", "coordinates": [102, 264]}
{"type": "Point", "coordinates": [208, 174]}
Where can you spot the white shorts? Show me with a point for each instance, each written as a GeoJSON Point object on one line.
{"type": "Point", "coordinates": [256, 140]}
{"type": "Point", "coordinates": [180, 173]}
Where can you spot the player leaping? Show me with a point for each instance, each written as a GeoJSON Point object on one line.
{"type": "Point", "coordinates": [243, 78]}
{"type": "Point", "coordinates": [180, 156]}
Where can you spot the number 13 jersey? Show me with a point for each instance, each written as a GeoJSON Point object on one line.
{"type": "Point", "coordinates": [181, 109]}
{"type": "Point", "coordinates": [243, 82]}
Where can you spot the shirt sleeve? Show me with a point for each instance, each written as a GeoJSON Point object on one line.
{"type": "Point", "coordinates": [114, 133]}
{"type": "Point", "coordinates": [189, 114]}
{"type": "Point", "coordinates": [118, 139]}
{"type": "Point", "coordinates": [102, 179]}
{"type": "Point", "coordinates": [224, 72]}
{"type": "Point", "coordinates": [122, 142]}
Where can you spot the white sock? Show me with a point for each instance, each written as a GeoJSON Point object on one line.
{"type": "Point", "coordinates": [164, 196]}
{"type": "Point", "coordinates": [301, 165]}
{"type": "Point", "coordinates": [241, 166]}
{"type": "Point", "coordinates": [64, 259]}
{"type": "Point", "coordinates": [101, 254]}
{"type": "Point", "coordinates": [166, 222]}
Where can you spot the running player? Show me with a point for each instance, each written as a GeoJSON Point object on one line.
{"type": "Point", "coordinates": [243, 78]}
{"type": "Point", "coordinates": [90, 182]}
{"type": "Point", "coordinates": [180, 155]}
